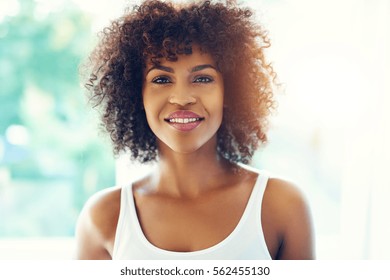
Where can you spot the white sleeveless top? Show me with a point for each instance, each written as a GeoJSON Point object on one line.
{"type": "Point", "coordinates": [245, 242]}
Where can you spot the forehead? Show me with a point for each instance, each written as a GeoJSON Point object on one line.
{"type": "Point", "coordinates": [195, 57]}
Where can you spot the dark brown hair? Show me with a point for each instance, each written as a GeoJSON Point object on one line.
{"type": "Point", "coordinates": [156, 30]}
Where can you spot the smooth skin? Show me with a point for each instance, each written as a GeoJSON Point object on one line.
{"type": "Point", "coordinates": [182, 204]}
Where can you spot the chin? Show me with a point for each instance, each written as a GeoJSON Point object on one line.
{"type": "Point", "coordinates": [188, 145]}
{"type": "Point", "coordinates": [184, 150]}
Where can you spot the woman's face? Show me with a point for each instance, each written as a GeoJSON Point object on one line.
{"type": "Point", "coordinates": [183, 101]}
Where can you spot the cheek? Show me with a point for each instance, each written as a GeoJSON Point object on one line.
{"type": "Point", "coordinates": [150, 107]}
{"type": "Point", "coordinates": [215, 106]}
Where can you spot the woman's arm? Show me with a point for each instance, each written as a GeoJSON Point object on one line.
{"type": "Point", "coordinates": [294, 223]}
{"type": "Point", "coordinates": [96, 226]}
{"type": "Point", "coordinates": [298, 242]}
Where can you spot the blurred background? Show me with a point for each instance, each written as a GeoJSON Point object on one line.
{"type": "Point", "coordinates": [330, 135]}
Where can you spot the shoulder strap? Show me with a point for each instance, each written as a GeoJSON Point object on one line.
{"type": "Point", "coordinates": [123, 217]}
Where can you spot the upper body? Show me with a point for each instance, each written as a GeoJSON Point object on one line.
{"type": "Point", "coordinates": [176, 89]}
{"type": "Point", "coordinates": [168, 222]}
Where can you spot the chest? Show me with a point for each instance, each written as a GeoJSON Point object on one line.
{"type": "Point", "coordinates": [189, 225]}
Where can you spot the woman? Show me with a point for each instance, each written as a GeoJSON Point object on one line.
{"type": "Point", "coordinates": [188, 87]}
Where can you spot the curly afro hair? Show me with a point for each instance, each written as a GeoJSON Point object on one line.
{"type": "Point", "coordinates": [158, 30]}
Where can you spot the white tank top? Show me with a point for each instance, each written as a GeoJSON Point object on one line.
{"type": "Point", "coordinates": [245, 242]}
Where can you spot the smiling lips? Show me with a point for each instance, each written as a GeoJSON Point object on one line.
{"type": "Point", "coordinates": [184, 120]}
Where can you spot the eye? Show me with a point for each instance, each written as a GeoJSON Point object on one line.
{"type": "Point", "coordinates": [161, 80]}
{"type": "Point", "coordinates": [203, 79]}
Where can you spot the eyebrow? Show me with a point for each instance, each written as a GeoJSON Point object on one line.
{"type": "Point", "coordinates": [201, 67]}
{"type": "Point", "coordinates": [192, 70]}
{"type": "Point", "coordinates": [160, 67]}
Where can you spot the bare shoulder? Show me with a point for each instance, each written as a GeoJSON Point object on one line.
{"type": "Point", "coordinates": [103, 209]}
{"type": "Point", "coordinates": [97, 223]}
{"type": "Point", "coordinates": [285, 195]}
{"type": "Point", "coordinates": [289, 218]}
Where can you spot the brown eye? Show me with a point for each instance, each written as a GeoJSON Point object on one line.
{"type": "Point", "coordinates": [161, 80]}
{"type": "Point", "coordinates": [203, 79]}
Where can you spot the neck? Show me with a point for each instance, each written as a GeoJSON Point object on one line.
{"type": "Point", "coordinates": [188, 175]}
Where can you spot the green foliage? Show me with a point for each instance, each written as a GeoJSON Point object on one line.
{"type": "Point", "coordinates": [61, 154]}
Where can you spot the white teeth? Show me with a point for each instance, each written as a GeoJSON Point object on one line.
{"type": "Point", "coordinates": [186, 120]}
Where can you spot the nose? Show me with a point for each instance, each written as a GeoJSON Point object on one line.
{"type": "Point", "coordinates": [182, 96]}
